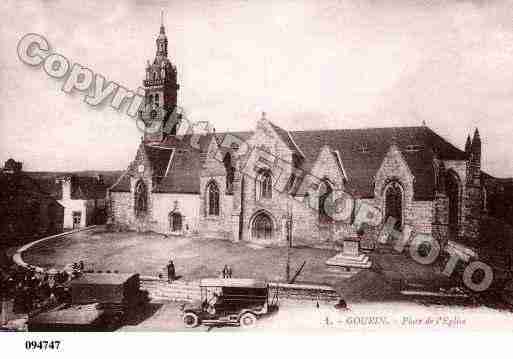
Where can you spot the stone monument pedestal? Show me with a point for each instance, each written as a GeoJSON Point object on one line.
{"type": "Point", "coordinates": [350, 256]}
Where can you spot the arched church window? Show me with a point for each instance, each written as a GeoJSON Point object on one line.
{"type": "Point", "coordinates": [157, 100]}
{"type": "Point", "coordinates": [230, 172]}
{"type": "Point", "coordinates": [262, 227]}
{"type": "Point", "coordinates": [452, 188]}
{"type": "Point", "coordinates": [325, 201]}
{"type": "Point", "coordinates": [264, 185]}
{"type": "Point", "coordinates": [394, 203]}
{"type": "Point", "coordinates": [484, 203]}
{"type": "Point", "coordinates": [213, 199]}
{"type": "Point", "coordinates": [141, 199]}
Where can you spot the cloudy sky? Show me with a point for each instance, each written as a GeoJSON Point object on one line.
{"type": "Point", "coordinates": [331, 64]}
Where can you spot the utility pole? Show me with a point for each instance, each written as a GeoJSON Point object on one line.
{"type": "Point", "coordinates": [289, 239]}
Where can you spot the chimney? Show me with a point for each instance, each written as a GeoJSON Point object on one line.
{"type": "Point", "coordinates": [66, 187]}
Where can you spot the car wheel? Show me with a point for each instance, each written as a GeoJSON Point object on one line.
{"type": "Point", "coordinates": [191, 320]}
{"type": "Point", "coordinates": [247, 320]}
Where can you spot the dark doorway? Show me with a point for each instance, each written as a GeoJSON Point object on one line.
{"type": "Point", "coordinates": [77, 218]}
{"type": "Point", "coordinates": [175, 220]}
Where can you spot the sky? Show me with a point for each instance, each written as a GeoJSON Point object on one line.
{"type": "Point", "coordinates": [307, 64]}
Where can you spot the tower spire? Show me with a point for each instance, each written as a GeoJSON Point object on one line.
{"type": "Point", "coordinates": [162, 38]}
{"type": "Point", "coordinates": [162, 30]}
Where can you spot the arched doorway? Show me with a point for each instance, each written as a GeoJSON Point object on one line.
{"type": "Point", "coordinates": [452, 187]}
{"type": "Point", "coordinates": [394, 203]}
{"type": "Point", "coordinates": [175, 221]}
{"type": "Point", "coordinates": [262, 227]}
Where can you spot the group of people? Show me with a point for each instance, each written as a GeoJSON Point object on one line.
{"type": "Point", "coordinates": [226, 272]}
{"type": "Point", "coordinates": [30, 289]}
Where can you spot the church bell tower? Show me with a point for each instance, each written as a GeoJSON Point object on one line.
{"type": "Point", "coordinates": [159, 113]}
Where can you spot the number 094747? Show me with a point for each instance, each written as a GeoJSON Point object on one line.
{"type": "Point", "coordinates": [42, 344]}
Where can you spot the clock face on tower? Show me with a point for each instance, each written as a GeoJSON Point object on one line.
{"type": "Point", "coordinates": [140, 168]}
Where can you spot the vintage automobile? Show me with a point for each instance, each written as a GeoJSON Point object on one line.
{"type": "Point", "coordinates": [98, 302]}
{"type": "Point", "coordinates": [230, 302]}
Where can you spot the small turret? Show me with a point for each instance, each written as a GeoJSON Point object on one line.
{"type": "Point", "coordinates": [468, 146]}
{"type": "Point", "coordinates": [475, 148]}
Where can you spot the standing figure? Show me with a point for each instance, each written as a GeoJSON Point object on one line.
{"type": "Point", "coordinates": [225, 271]}
{"type": "Point", "coordinates": [170, 271]}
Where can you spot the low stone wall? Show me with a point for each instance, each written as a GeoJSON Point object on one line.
{"type": "Point", "coordinates": [182, 291]}
{"type": "Point", "coordinates": [318, 293]}
{"type": "Point", "coordinates": [177, 291]}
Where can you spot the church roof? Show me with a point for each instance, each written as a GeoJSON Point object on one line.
{"type": "Point", "coordinates": [361, 152]}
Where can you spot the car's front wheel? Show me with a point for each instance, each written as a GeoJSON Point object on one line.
{"type": "Point", "coordinates": [191, 320]}
{"type": "Point", "coordinates": [247, 320]}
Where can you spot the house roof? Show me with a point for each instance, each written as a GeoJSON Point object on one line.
{"type": "Point", "coordinates": [361, 152]}
{"type": "Point", "coordinates": [20, 185]}
{"type": "Point", "coordinates": [85, 184]}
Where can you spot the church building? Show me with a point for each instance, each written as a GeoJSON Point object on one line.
{"type": "Point", "coordinates": [270, 185]}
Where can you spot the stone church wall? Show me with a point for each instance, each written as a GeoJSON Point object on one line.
{"type": "Point", "coordinates": [186, 204]}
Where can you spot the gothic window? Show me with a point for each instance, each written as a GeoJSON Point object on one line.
{"type": "Point", "coordinates": [213, 199]}
{"type": "Point", "coordinates": [325, 191]}
{"type": "Point", "coordinates": [262, 227]}
{"type": "Point", "coordinates": [141, 199]}
{"type": "Point", "coordinates": [484, 203]}
{"type": "Point", "coordinates": [452, 188]}
{"type": "Point", "coordinates": [175, 221]}
{"type": "Point", "coordinates": [264, 185]}
{"type": "Point", "coordinates": [230, 172]}
{"type": "Point", "coordinates": [150, 99]}
{"type": "Point", "coordinates": [394, 203]}
{"type": "Point", "coordinates": [156, 100]}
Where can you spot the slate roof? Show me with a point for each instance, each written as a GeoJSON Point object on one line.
{"type": "Point", "coordinates": [418, 146]}
{"type": "Point", "coordinates": [82, 187]}
{"type": "Point", "coordinates": [20, 185]}
{"type": "Point", "coordinates": [361, 166]}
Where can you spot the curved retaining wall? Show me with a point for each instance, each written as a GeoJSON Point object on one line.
{"type": "Point", "coordinates": [18, 259]}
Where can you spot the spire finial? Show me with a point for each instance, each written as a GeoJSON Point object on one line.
{"type": "Point", "coordinates": [162, 21]}
{"type": "Point", "coordinates": [263, 115]}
